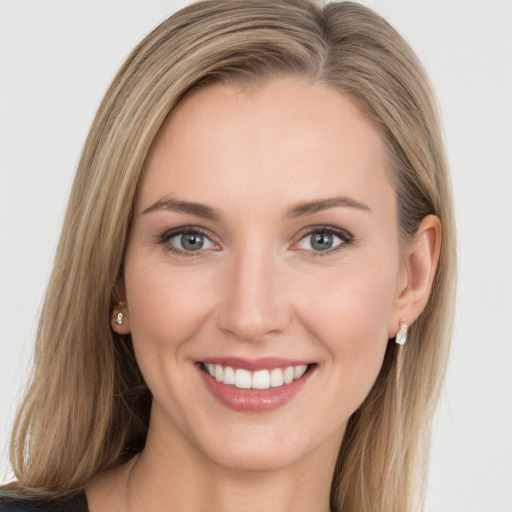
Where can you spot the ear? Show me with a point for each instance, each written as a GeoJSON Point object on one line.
{"type": "Point", "coordinates": [419, 270]}
{"type": "Point", "coordinates": [120, 318]}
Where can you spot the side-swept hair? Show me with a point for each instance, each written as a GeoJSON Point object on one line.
{"type": "Point", "coordinates": [87, 408]}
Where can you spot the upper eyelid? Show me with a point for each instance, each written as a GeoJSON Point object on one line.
{"type": "Point", "coordinates": [325, 227]}
{"type": "Point", "coordinates": [170, 233]}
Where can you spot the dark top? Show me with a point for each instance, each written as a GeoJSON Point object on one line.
{"type": "Point", "coordinates": [9, 502]}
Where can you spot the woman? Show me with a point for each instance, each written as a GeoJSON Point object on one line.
{"type": "Point", "coordinates": [261, 218]}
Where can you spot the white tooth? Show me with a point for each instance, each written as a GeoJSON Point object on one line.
{"type": "Point", "coordinates": [300, 371]}
{"type": "Point", "coordinates": [243, 379]}
{"type": "Point", "coordinates": [218, 372]}
{"type": "Point", "coordinates": [211, 369]}
{"type": "Point", "coordinates": [288, 374]}
{"type": "Point", "coordinates": [276, 377]}
{"type": "Point", "coordinates": [261, 379]}
{"type": "Point", "coordinates": [229, 375]}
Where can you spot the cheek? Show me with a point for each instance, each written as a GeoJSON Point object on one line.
{"type": "Point", "coordinates": [356, 311]}
{"type": "Point", "coordinates": [348, 312]}
{"type": "Point", "coordinates": [355, 298]}
{"type": "Point", "coordinates": [165, 305]}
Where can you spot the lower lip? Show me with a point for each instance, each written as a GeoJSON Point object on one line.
{"type": "Point", "coordinates": [254, 400]}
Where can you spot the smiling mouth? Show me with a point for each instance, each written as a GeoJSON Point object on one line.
{"type": "Point", "coordinates": [259, 380]}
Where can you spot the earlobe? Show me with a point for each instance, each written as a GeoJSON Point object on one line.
{"type": "Point", "coordinates": [421, 265]}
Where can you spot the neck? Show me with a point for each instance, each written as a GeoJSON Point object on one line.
{"type": "Point", "coordinates": [174, 478]}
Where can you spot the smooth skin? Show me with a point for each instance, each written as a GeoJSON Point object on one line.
{"type": "Point", "coordinates": [269, 170]}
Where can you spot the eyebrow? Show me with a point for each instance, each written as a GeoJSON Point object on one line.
{"type": "Point", "coordinates": [172, 204]}
{"type": "Point", "coordinates": [308, 208]}
{"type": "Point", "coordinates": [298, 210]}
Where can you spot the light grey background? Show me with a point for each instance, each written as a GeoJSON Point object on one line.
{"type": "Point", "coordinates": [57, 58]}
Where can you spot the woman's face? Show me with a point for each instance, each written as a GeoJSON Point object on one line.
{"type": "Point", "coordinates": [262, 271]}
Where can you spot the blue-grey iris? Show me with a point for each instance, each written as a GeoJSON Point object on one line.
{"type": "Point", "coordinates": [192, 241]}
{"type": "Point", "coordinates": [321, 241]}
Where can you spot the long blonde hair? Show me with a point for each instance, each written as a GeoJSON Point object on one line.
{"type": "Point", "coordinates": [87, 408]}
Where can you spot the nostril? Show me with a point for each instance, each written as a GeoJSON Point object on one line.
{"type": "Point", "coordinates": [253, 325]}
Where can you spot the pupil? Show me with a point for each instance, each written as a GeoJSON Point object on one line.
{"type": "Point", "coordinates": [321, 241]}
{"type": "Point", "coordinates": [192, 242]}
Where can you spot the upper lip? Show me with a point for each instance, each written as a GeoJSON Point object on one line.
{"type": "Point", "coordinates": [262, 363]}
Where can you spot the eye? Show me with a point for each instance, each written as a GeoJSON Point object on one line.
{"type": "Point", "coordinates": [324, 240]}
{"type": "Point", "coordinates": [186, 240]}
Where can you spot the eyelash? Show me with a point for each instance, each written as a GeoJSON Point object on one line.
{"type": "Point", "coordinates": [189, 230]}
{"type": "Point", "coordinates": [346, 238]}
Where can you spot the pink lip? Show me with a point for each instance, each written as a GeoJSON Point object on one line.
{"type": "Point", "coordinates": [253, 400]}
{"type": "Point", "coordinates": [263, 363]}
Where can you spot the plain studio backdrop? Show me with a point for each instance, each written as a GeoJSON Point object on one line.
{"type": "Point", "coordinates": [57, 58]}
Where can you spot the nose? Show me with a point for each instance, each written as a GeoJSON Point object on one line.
{"type": "Point", "coordinates": [254, 305]}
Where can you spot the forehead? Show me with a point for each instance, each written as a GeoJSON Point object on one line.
{"type": "Point", "coordinates": [288, 139]}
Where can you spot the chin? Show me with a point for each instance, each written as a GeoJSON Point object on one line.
{"type": "Point", "coordinates": [254, 456]}
{"type": "Point", "coordinates": [268, 447]}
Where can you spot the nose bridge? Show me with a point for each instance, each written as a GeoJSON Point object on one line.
{"type": "Point", "coordinates": [253, 304]}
